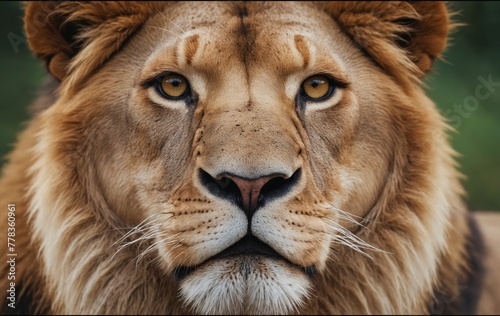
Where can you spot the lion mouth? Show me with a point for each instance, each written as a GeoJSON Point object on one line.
{"type": "Point", "coordinates": [247, 246]}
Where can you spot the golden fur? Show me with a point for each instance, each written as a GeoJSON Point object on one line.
{"type": "Point", "coordinates": [106, 178]}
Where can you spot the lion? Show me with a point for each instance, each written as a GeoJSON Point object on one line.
{"type": "Point", "coordinates": [240, 158]}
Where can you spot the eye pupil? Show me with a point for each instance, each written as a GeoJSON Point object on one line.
{"type": "Point", "coordinates": [317, 88]}
{"type": "Point", "coordinates": [173, 86]}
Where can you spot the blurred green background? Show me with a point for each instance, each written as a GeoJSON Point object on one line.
{"type": "Point", "coordinates": [474, 53]}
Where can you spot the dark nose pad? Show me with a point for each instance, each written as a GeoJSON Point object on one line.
{"type": "Point", "coordinates": [249, 194]}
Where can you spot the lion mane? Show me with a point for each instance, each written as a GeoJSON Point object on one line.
{"type": "Point", "coordinates": [241, 157]}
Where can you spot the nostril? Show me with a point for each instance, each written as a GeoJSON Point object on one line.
{"type": "Point", "coordinates": [279, 186]}
{"type": "Point", "coordinates": [223, 183]}
{"type": "Point", "coordinates": [224, 187]}
{"type": "Point", "coordinates": [249, 194]}
{"type": "Point", "coordinates": [275, 187]}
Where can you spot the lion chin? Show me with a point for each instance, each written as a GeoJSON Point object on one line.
{"type": "Point", "coordinates": [249, 277]}
{"type": "Point", "coordinates": [246, 284]}
{"type": "Point", "coordinates": [240, 158]}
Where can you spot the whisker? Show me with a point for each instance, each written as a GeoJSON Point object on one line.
{"type": "Point", "coordinates": [351, 236]}
{"type": "Point", "coordinates": [341, 235]}
{"type": "Point", "coordinates": [163, 255]}
{"type": "Point", "coordinates": [151, 247]}
{"type": "Point", "coordinates": [149, 227]}
{"type": "Point", "coordinates": [171, 21]}
{"type": "Point", "coordinates": [138, 228]}
{"type": "Point", "coordinates": [346, 215]}
{"type": "Point", "coordinates": [163, 29]}
{"type": "Point", "coordinates": [147, 236]}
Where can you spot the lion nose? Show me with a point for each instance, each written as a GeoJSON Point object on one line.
{"type": "Point", "coordinates": [249, 194]}
{"type": "Point", "coordinates": [250, 190]}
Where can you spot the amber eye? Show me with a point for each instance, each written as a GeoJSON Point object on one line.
{"type": "Point", "coordinates": [173, 86]}
{"type": "Point", "coordinates": [318, 88]}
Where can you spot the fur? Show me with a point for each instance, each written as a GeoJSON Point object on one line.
{"type": "Point", "coordinates": [106, 177]}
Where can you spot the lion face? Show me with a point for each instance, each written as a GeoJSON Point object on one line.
{"type": "Point", "coordinates": [240, 180]}
{"type": "Point", "coordinates": [239, 142]}
{"type": "Point", "coordinates": [245, 174]}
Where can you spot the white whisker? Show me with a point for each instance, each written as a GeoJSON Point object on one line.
{"type": "Point", "coordinates": [148, 229]}
{"type": "Point", "coordinates": [163, 29]}
{"type": "Point", "coordinates": [171, 21]}
{"type": "Point", "coordinates": [151, 247]}
{"type": "Point", "coordinates": [343, 236]}
{"type": "Point", "coordinates": [138, 228]}
{"type": "Point", "coordinates": [356, 220]}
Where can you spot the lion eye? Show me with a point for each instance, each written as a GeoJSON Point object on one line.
{"type": "Point", "coordinates": [173, 86]}
{"type": "Point", "coordinates": [318, 88]}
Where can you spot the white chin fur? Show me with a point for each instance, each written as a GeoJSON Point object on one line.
{"type": "Point", "coordinates": [245, 285]}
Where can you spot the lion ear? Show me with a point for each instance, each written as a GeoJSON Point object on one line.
{"type": "Point", "coordinates": [75, 38]}
{"type": "Point", "coordinates": [404, 38]}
